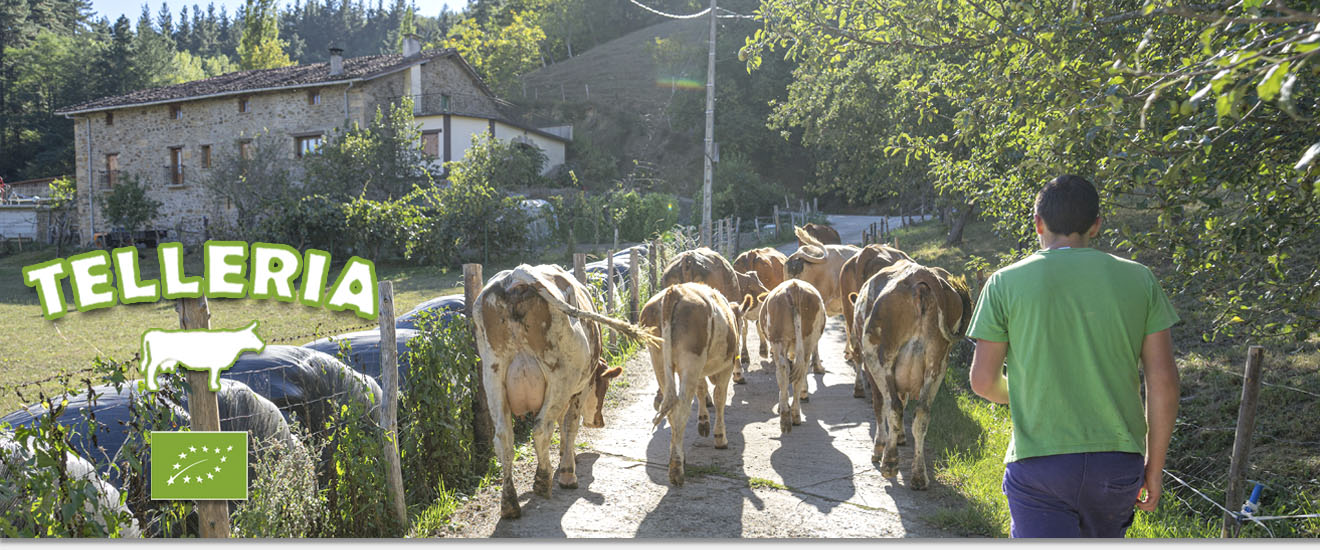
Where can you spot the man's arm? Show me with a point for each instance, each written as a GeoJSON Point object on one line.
{"type": "Point", "coordinates": [987, 373]}
{"type": "Point", "coordinates": [1161, 410]}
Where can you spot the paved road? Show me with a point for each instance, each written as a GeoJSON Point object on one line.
{"type": "Point", "coordinates": [850, 228]}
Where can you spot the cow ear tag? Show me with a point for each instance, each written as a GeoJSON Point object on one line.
{"type": "Point", "coordinates": [209, 350]}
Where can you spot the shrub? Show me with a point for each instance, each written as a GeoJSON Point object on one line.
{"type": "Point", "coordinates": [46, 491]}
{"type": "Point", "coordinates": [382, 161]}
{"type": "Point", "coordinates": [356, 499]}
{"type": "Point", "coordinates": [317, 221]}
{"type": "Point", "coordinates": [128, 206]}
{"type": "Point", "coordinates": [503, 165]}
{"type": "Point", "coordinates": [467, 217]}
{"type": "Point", "coordinates": [258, 184]}
{"type": "Point", "coordinates": [283, 501]}
{"type": "Point", "coordinates": [435, 428]}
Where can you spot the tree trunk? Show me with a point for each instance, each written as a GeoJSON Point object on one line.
{"type": "Point", "coordinates": [966, 214]}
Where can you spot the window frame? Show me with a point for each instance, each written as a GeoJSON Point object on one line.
{"type": "Point", "coordinates": [244, 104]}
{"type": "Point", "coordinates": [176, 112]}
{"type": "Point", "coordinates": [176, 166]}
{"type": "Point", "coordinates": [314, 97]}
{"type": "Point", "coordinates": [300, 140]}
{"type": "Point", "coordinates": [206, 155]}
{"type": "Point", "coordinates": [109, 118]}
{"type": "Point", "coordinates": [436, 133]}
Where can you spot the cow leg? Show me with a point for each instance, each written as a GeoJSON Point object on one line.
{"type": "Point", "coordinates": [799, 377]}
{"type": "Point", "coordinates": [703, 408]}
{"type": "Point", "coordinates": [929, 387]}
{"type": "Point", "coordinates": [721, 397]}
{"type": "Point", "coordinates": [656, 365]}
{"type": "Point", "coordinates": [568, 428]}
{"type": "Point", "coordinates": [893, 418]}
{"type": "Point", "coordinates": [678, 417]}
{"type": "Point", "coordinates": [760, 331]}
{"type": "Point", "coordinates": [744, 359]}
{"type": "Point", "coordinates": [541, 434]}
{"type": "Point", "coordinates": [815, 363]}
{"type": "Point", "coordinates": [877, 406]}
{"type": "Point", "coordinates": [783, 376]}
{"type": "Point", "coordinates": [503, 427]}
{"type": "Point", "coordinates": [902, 408]}
{"type": "Point", "coordinates": [859, 384]}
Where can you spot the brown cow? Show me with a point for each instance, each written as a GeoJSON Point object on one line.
{"type": "Point", "coordinates": [700, 342]}
{"type": "Point", "coordinates": [906, 318]}
{"type": "Point", "coordinates": [820, 264]}
{"type": "Point", "coordinates": [703, 265]}
{"type": "Point", "coordinates": [768, 264]}
{"type": "Point", "coordinates": [856, 270]}
{"type": "Point", "coordinates": [823, 234]}
{"type": "Point", "coordinates": [540, 348]}
{"type": "Point", "coordinates": [792, 319]}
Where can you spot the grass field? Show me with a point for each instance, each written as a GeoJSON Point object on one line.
{"type": "Point", "coordinates": [970, 435]}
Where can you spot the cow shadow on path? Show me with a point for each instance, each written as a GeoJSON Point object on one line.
{"type": "Point", "coordinates": [544, 517]}
{"type": "Point", "coordinates": [711, 501]}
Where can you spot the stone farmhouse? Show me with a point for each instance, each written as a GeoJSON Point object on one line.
{"type": "Point", "coordinates": [169, 137]}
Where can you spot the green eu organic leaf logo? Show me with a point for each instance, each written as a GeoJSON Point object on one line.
{"type": "Point", "coordinates": [199, 466]}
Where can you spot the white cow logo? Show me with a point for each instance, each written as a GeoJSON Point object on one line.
{"type": "Point", "coordinates": [202, 349]}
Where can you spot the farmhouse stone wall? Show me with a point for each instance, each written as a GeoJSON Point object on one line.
{"type": "Point", "coordinates": [142, 137]}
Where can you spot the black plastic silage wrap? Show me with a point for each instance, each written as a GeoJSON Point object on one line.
{"type": "Point", "coordinates": [364, 354]}
{"type": "Point", "coordinates": [305, 383]}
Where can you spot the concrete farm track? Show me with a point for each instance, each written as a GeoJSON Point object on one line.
{"type": "Point", "coordinates": [817, 481]}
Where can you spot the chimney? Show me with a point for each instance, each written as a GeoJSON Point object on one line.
{"type": "Point", "coordinates": [412, 45]}
{"type": "Point", "coordinates": [336, 61]}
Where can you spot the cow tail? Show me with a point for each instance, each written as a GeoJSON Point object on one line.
{"type": "Point", "coordinates": [641, 334]}
{"type": "Point", "coordinates": [667, 368]}
{"type": "Point", "coordinates": [803, 356]}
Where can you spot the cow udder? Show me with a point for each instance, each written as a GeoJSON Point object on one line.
{"type": "Point", "coordinates": [524, 386]}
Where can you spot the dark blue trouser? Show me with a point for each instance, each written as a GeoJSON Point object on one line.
{"type": "Point", "coordinates": [1073, 495]}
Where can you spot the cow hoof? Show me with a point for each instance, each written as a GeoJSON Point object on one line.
{"type": "Point", "coordinates": [919, 482]}
{"type": "Point", "coordinates": [785, 423]}
{"type": "Point", "coordinates": [721, 441]}
{"type": "Point", "coordinates": [509, 508]}
{"type": "Point", "coordinates": [797, 420]}
{"type": "Point", "coordinates": [676, 472]}
{"type": "Point", "coordinates": [568, 480]}
{"type": "Point", "coordinates": [902, 441]}
{"type": "Point", "coordinates": [542, 484]}
{"type": "Point", "coordinates": [703, 428]}
{"type": "Point", "coordinates": [738, 378]}
{"type": "Point", "coordinates": [859, 392]}
{"type": "Point", "coordinates": [817, 369]}
{"type": "Point", "coordinates": [806, 398]}
{"type": "Point", "coordinates": [889, 467]}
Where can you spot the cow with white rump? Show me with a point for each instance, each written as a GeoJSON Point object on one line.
{"type": "Point", "coordinates": [792, 321]}
{"type": "Point", "coordinates": [540, 346]}
{"type": "Point", "coordinates": [905, 319]}
{"type": "Point", "coordinates": [699, 332]}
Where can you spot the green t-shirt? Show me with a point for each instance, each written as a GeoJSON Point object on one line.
{"type": "Point", "coordinates": [1074, 320]}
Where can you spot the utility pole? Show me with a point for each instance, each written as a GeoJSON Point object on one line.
{"type": "Point", "coordinates": [710, 134]}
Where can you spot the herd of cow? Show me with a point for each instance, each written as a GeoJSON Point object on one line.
{"type": "Point", "coordinates": [540, 344]}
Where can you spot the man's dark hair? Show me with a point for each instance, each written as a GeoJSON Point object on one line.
{"type": "Point", "coordinates": [1068, 204]}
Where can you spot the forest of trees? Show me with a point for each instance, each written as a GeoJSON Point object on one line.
{"type": "Point", "coordinates": [56, 53]}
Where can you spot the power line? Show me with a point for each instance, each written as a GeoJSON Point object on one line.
{"type": "Point", "coordinates": [670, 15]}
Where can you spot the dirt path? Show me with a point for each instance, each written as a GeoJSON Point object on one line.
{"type": "Point", "coordinates": [817, 481]}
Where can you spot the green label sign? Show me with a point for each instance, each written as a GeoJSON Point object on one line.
{"type": "Point", "coordinates": [199, 465]}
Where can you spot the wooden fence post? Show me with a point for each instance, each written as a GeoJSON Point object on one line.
{"type": "Point", "coordinates": [212, 515]}
{"type": "Point", "coordinates": [634, 290]}
{"type": "Point", "coordinates": [389, 376]}
{"type": "Point", "coordinates": [616, 241]}
{"type": "Point", "coordinates": [778, 229]}
{"type": "Point", "coordinates": [609, 289]}
{"type": "Point", "coordinates": [483, 428]}
{"type": "Point", "coordinates": [1237, 470]}
{"type": "Point", "coordinates": [737, 235]}
{"type": "Point", "coordinates": [654, 256]}
{"type": "Point", "coordinates": [580, 267]}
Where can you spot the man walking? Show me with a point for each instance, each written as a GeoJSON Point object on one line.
{"type": "Point", "coordinates": [1075, 324]}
